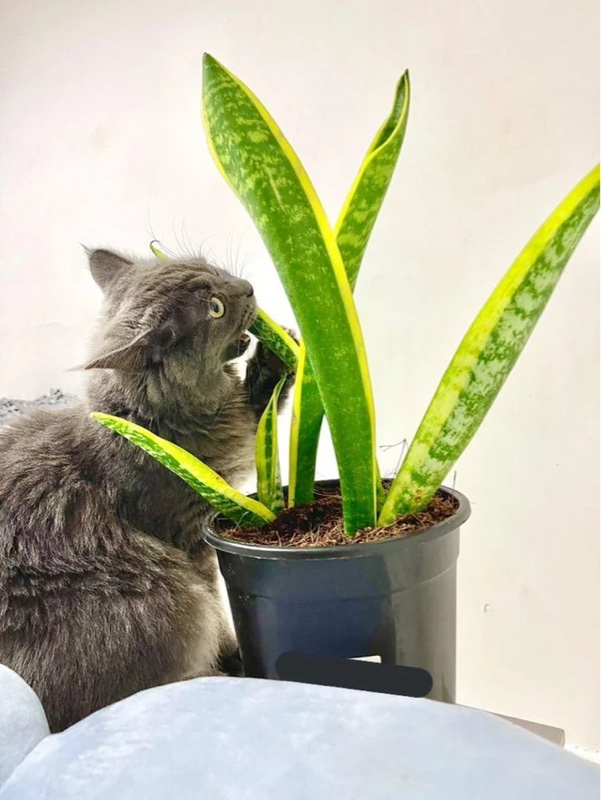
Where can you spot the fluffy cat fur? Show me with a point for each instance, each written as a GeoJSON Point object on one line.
{"type": "Point", "coordinates": [106, 586]}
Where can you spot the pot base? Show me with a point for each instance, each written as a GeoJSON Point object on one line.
{"type": "Point", "coordinates": [393, 600]}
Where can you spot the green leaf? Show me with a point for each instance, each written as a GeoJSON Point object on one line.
{"type": "Point", "coordinates": [269, 483]}
{"type": "Point", "coordinates": [307, 419]}
{"type": "Point", "coordinates": [242, 510]}
{"type": "Point", "coordinates": [353, 231]}
{"type": "Point", "coordinates": [488, 352]}
{"type": "Point", "coordinates": [276, 338]}
{"type": "Point", "coordinates": [156, 250]}
{"type": "Point", "coordinates": [364, 200]}
{"type": "Point", "coordinates": [267, 176]}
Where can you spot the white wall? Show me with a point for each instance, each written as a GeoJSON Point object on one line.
{"type": "Point", "coordinates": [100, 142]}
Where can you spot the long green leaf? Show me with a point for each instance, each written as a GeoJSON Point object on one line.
{"type": "Point", "coordinates": [242, 510]}
{"type": "Point", "coordinates": [269, 482]}
{"type": "Point", "coordinates": [353, 231]}
{"type": "Point", "coordinates": [488, 352]}
{"type": "Point", "coordinates": [276, 338]}
{"type": "Point", "coordinates": [267, 176]}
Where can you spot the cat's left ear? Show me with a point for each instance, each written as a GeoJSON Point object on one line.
{"type": "Point", "coordinates": [105, 266]}
{"type": "Point", "coordinates": [133, 355]}
{"type": "Point", "coordinates": [130, 357]}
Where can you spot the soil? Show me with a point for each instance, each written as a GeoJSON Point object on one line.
{"type": "Point", "coordinates": [320, 524]}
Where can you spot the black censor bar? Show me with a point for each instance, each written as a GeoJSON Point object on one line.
{"type": "Point", "coordinates": [354, 674]}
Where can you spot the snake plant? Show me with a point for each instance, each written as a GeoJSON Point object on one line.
{"type": "Point", "coordinates": [318, 262]}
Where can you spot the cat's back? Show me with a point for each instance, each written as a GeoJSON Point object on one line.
{"type": "Point", "coordinates": [42, 454]}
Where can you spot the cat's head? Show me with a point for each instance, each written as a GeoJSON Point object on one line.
{"type": "Point", "coordinates": [181, 321]}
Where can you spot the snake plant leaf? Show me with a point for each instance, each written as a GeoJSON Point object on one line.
{"type": "Point", "coordinates": [488, 352]}
{"type": "Point", "coordinates": [267, 176]}
{"type": "Point", "coordinates": [353, 230]}
{"type": "Point", "coordinates": [242, 510]}
{"type": "Point", "coordinates": [364, 200]}
{"type": "Point", "coordinates": [305, 429]}
{"type": "Point", "coordinates": [155, 247]}
{"type": "Point", "coordinates": [269, 482]}
{"type": "Point", "coordinates": [276, 339]}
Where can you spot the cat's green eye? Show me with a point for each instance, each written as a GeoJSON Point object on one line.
{"type": "Point", "coordinates": [216, 308]}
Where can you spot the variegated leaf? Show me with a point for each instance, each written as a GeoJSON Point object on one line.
{"type": "Point", "coordinates": [269, 482]}
{"type": "Point", "coordinates": [242, 510]}
{"type": "Point", "coordinates": [488, 352]}
{"type": "Point", "coordinates": [267, 176]}
{"type": "Point", "coordinates": [353, 231]}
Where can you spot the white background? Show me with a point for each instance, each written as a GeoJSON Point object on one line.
{"type": "Point", "coordinates": [101, 143]}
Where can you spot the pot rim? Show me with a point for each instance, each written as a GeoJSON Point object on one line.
{"type": "Point", "coordinates": [272, 552]}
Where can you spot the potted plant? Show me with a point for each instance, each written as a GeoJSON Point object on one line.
{"type": "Point", "coordinates": [356, 567]}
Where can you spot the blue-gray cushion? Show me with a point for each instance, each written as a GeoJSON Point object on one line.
{"type": "Point", "coordinates": [23, 723]}
{"type": "Point", "coordinates": [238, 739]}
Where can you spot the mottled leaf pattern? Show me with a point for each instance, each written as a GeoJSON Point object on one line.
{"type": "Point", "coordinates": [269, 179]}
{"type": "Point", "coordinates": [276, 339]}
{"type": "Point", "coordinates": [307, 419]}
{"type": "Point", "coordinates": [242, 510]}
{"type": "Point", "coordinates": [353, 230]}
{"type": "Point", "coordinates": [269, 482]}
{"type": "Point", "coordinates": [364, 200]}
{"type": "Point", "coordinates": [488, 352]}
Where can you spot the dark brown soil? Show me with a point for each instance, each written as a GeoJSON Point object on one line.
{"type": "Point", "coordinates": [320, 524]}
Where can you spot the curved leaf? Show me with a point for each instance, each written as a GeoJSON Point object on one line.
{"type": "Point", "coordinates": [276, 338]}
{"type": "Point", "coordinates": [267, 176]}
{"type": "Point", "coordinates": [353, 231]}
{"type": "Point", "coordinates": [242, 510]}
{"type": "Point", "coordinates": [156, 250]}
{"type": "Point", "coordinates": [488, 352]}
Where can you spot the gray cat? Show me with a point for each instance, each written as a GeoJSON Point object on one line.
{"type": "Point", "coordinates": [106, 586]}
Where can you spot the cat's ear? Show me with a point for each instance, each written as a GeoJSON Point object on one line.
{"type": "Point", "coordinates": [129, 357]}
{"type": "Point", "coordinates": [105, 266]}
{"type": "Point", "coordinates": [134, 356]}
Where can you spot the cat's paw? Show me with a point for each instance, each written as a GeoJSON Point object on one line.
{"type": "Point", "coordinates": [231, 664]}
{"type": "Point", "coordinates": [293, 335]}
{"type": "Point", "coordinates": [265, 370]}
{"type": "Point", "coordinates": [268, 361]}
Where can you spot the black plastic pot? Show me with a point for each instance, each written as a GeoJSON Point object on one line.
{"type": "Point", "coordinates": [394, 599]}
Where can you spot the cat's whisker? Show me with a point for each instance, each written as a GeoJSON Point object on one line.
{"type": "Point", "coordinates": [187, 239]}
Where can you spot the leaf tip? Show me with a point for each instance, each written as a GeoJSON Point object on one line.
{"type": "Point", "coordinates": [102, 419]}
{"type": "Point", "coordinates": [210, 66]}
{"type": "Point", "coordinates": [155, 248]}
